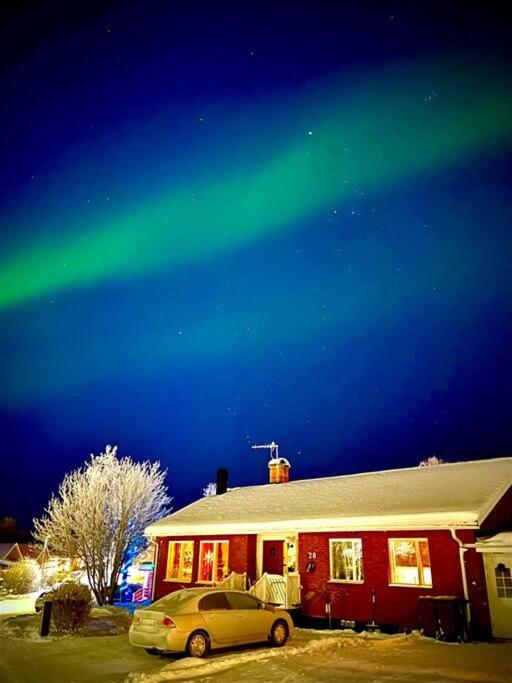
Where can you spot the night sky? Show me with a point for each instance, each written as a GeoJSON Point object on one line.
{"type": "Point", "coordinates": [226, 223]}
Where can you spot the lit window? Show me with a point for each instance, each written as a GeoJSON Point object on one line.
{"type": "Point", "coordinates": [346, 559]}
{"type": "Point", "coordinates": [409, 562]}
{"type": "Point", "coordinates": [179, 561]}
{"type": "Point", "coordinates": [213, 561]}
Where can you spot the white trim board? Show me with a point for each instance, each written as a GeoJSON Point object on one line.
{"type": "Point", "coordinates": [387, 523]}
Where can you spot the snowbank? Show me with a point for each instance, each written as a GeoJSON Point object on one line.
{"type": "Point", "coordinates": [349, 656]}
{"type": "Point", "coordinates": [11, 605]}
{"type": "Point", "coordinates": [192, 667]}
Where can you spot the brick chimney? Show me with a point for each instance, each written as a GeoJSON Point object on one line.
{"type": "Point", "coordinates": [279, 470]}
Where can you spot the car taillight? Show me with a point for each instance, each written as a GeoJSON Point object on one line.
{"type": "Point", "coordinates": [167, 621]}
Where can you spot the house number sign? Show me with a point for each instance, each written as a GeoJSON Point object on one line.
{"type": "Point", "coordinates": [311, 565]}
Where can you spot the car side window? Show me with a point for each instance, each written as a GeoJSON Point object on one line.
{"type": "Point", "coordinates": [241, 601]}
{"type": "Point", "coordinates": [213, 601]}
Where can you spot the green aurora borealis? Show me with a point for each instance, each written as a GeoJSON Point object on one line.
{"type": "Point", "coordinates": [377, 130]}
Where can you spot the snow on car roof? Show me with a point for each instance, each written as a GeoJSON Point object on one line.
{"type": "Point", "coordinates": [451, 494]}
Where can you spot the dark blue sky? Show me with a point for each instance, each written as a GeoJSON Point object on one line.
{"type": "Point", "coordinates": [227, 223]}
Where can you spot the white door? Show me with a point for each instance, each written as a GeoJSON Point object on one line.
{"type": "Point", "coordinates": [498, 568]}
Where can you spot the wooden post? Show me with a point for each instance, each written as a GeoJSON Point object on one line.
{"type": "Point", "coordinates": [46, 615]}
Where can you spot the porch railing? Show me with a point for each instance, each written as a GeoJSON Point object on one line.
{"type": "Point", "coordinates": [234, 581]}
{"type": "Point", "coordinates": [278, 590]}
{"type": "Point", "coordinates": [142, 594]}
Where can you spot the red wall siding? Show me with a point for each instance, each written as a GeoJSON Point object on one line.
{"type": "Point", "coordinates": [501, 515]}
{"type": "Point", "coordinates": [242, 558]}
{"type": "Point", "coordinates": [395, 605]}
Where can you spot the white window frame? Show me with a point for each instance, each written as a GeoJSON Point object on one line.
{"type": "Point", "coordinates": [180, 568]}
{"type": "Point", "coordinates": [331, 560]}
{"type": "Point", "coordinates": [214, 563]}
{"type": "Point", "coordinates": [421, 576]}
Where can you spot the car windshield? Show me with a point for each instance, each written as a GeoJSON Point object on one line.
{"type": "Point", "coordinates": [173, 601]}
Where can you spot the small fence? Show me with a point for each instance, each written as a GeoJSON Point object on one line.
{"type": "Point", "coordinates": [234, 581]}
{"type": "Point", "coordinates": [278, 590]}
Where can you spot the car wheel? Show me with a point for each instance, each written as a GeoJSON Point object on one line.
{"type": "Point", "coordinates": [198, 644]}
{"type": "Point", "coordinates": [152, 651]}
{"type": "Point", "coordinates": [279, 633]}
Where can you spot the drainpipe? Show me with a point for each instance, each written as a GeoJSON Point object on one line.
{"type": "Point", "coordinates": [155, 561]}
{"type": "Point", "coordinates": [462, 549]}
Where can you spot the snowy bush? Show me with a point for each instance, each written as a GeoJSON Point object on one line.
{"type": "Point", "coordinates": [432, 462]}
{"type": "Point", "coordinates": [56, 577]}
{"type": "Point", "coordinates": [72, 603]}
{"type": "Point", "coordinates": [210, 489]}
{"type": "Point", "coordinates": [100, 510]}
{"type": "Point", "coordinates": [24, 576]}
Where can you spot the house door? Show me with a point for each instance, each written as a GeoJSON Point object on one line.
{"type": "Point", "coordinates": [273, 557]}
{"type": "Point", "coordinates": [498, 568]}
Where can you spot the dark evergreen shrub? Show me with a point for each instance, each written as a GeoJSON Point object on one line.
{"type": "Point", "coordinates": [72, 603]}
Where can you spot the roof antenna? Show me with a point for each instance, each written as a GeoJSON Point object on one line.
{"type": "Point", "coordinates": [272, 447]}
{"type": "Point", "coordinates": [279, 468]}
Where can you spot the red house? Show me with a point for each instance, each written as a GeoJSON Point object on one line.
{"type": "Point", "coordinates": [12, 552]}
{"type": "Point", "coordinates": [380, 547]}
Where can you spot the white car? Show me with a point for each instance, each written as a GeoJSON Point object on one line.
{"type": "Point", "coordinates": [197, 620]}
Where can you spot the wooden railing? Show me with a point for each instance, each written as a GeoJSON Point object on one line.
{"type": "Point", "coordinates": [144, 593]}
{"type": "Point", "coordinates": [278, 590]}
{"type": "Point", "coordinates": [141, 594]}
{"type": "Point", "coordinates": [234, 581]}
{"type": "Point", "coordinates": [293, 590]}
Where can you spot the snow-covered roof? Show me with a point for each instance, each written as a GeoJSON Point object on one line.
{"type": "Point", "coordinates": [278, 461]}
{"type": "Point", "coordinates": [7, 548]}
{"type": "Point", "coordinates": [456, 494]}
{"type": "Point", "coordinates": [499, 543]}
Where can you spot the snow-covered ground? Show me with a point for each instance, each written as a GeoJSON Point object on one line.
{"type": "Point", "coordinates": [340, 656]}
{"type": "Point", "coordinates": [102, 653]}
{"type": "Point", "coordinates": [11, 605]}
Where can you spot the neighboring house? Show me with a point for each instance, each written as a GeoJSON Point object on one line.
{"type": "Point", "coordinates": [375, 543]}
{"type": "Point", "coordinates": [9, 554]}
{"type": "Point", "coordinates": [12, 552]}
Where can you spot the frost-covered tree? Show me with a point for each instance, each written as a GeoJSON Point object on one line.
{"type": "Point", "coordinates": [432, 461]}
{"type": "Point", "coordinates": [210, 489]}
{"type": "Point", "coordinates": [100, 509]}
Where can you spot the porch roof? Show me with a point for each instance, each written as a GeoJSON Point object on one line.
{"type": "Point", "coordinates": [450, 495]}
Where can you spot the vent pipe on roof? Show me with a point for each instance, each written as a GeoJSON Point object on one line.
{"type": "Point", "coordinates": [222, 481]}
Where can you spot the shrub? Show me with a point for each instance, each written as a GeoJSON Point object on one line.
{"type": "Point", "coordinates": [56, 577]}
{"type": "Point", "coordinates": [72, 603]}
{"type": "Point", "coordinates": [24, 576]}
